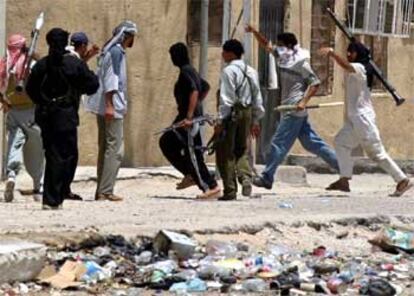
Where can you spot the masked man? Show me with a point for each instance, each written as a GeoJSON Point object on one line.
{"type": "Point", "coordinates": [299, 84]}
{"type": "Point", "coordinates": [360, 128]}
{"type": "Point", "coordinates": [23, 135]}
{"type": "Point", "coordinates": [55, 86]}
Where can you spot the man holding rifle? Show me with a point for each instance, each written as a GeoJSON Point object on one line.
{"type": "Point", "coordinates": [182, 145]}
{"type": "Point", "coordinates": [240, 109]}
{"type": "Point", "coordinates": [360, 128]}
{"type": "Point", "coordinates": [23, 135]}
{"type": "Point", "coordinates": [298, 84]}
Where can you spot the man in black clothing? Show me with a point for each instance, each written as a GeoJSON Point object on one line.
{"type": "Point", "coordinates": [55, 86]}
{"type": "Point", "coordinates": [182, 146]}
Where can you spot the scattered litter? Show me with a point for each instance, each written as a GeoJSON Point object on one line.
{"type": "Point", "coordinates": [175, 263]}
{"type": "Point", "coordinates": [285, 205]}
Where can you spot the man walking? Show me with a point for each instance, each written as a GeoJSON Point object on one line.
{"type": "Point", "coordinates": [23, 135]}
{"type": "Point", "coordinates": [110, 105]}
{"type": "Point", "coordinates": [55, 86]}
{"type": "Point", "coordinates": [240, 109]}
{"type": "Point", "coordinates": [360, 128]}
{"type": "Point", "coordinates": [182, 146]}
{"type": "Point", "coordinates": [298, 85]}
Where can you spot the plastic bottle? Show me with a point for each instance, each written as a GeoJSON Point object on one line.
{"type": "Point", "coordinates": [219, 248]}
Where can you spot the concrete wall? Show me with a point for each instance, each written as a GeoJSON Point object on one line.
{"type": "Point", "coordinates": [396, 124]}
{"type": "Point", "coordinates": [150, 72]}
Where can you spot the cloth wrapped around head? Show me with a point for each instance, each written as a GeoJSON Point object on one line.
{"type": "Point", "coordinates": [119, 33]}
{"type": "Point", "coordinates": [14, 60]}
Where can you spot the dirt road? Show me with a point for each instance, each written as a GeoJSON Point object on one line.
{"type": "Point", "coordinates": [152, 203]}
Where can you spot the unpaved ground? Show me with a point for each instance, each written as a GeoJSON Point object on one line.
{"type": "Point", "coordinates": [152, 203]}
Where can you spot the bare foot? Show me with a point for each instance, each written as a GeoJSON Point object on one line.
{"type": "Point", "coordinates": [210, 194]}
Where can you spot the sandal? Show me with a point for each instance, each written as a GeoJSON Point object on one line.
{"type": "Point", "coordinates": [400, 191]}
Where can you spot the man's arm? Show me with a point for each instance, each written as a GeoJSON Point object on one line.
{"type": "Point", "coordinates": [111, 72]}
{"type": "Point", "coordinates": [311, 91]}
{"type": "Point", "coordinates": [313, 83]}
{"type": "Point", "coordinates": [93, 51]}
{"type": "Point", "coordinates": [33, 83]}
{"type": "Point", "coordinates": [187, 122]}
{"type": "Point", "coordinates": [263, 42]}
{"type": "Point", "coordinates": [329, 52]}
{"type": "Point", "coordinates": [109, 105]}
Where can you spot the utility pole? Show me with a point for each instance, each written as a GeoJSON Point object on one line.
{"type": "Point", "coordinates": [2, 53]}
{"type": "Point", "coordinates": [226, 20]}
{"type": "Point", "coordinates": [203, 68]}
{"type": "Point", "coordinates": [247, 40]}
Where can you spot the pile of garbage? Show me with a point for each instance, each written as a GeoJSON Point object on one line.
{"type": "Point", "coordinates": [176, 263]}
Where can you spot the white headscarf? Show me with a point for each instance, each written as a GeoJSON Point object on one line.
{"type": "Point", "coordinates": [118, 34]}
{"type": "Point", "coordinates": [292, 56]}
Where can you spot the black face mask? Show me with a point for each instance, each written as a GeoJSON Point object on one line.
{"type": "Point", "coordinates": [179, 55]}
{"type": "Point", "coordinates": [363, 57]}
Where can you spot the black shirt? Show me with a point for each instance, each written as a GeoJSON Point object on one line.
{"type": "Point", "coordinates": [55, 83]}
{"type": "Point", "coordinates": [76, 71]}
{"type": "Point", "coordinates": [188, 81]}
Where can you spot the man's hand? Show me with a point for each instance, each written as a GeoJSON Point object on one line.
{"type": "Point", "coordinates": [255, 130]}
{"type": "Point", "coordinates": [301, 105]}
{"type": "Point", "coordinates": [325, 51]}
{"type": "Point", "coordinates": [186, 123]}
{"type": "Point", "coordinates": [93, 51]}
{"type": "Point", "coordinates": [218, 128]}
{"type": "Point", "coordinates": [109, 112]}
{"type": "Point", "coordinates": [249, 29]}
{"type": "Point", "coordinates": [5, 107]}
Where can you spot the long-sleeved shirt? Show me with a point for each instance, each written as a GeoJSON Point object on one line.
{"type": "Point", "coordinates": [50, 82]}
{"type": "Point", "coordinates": [239, 85]}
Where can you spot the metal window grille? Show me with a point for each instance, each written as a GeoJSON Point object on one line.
{"type": "Point", "coordinates": [381, 17]}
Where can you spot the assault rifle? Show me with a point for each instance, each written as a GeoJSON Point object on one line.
{"type": "Point", "coordinates": [377, 72]}
{"type": "Point", "coordinates": [200, 119]}
{"type": "Point", "coordinates": [28, 60]}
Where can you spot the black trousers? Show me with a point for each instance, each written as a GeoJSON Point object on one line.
{"type": "Point", "coordinates": [176, 150]}
{"type": "Point", "coordinates": [61, 153]}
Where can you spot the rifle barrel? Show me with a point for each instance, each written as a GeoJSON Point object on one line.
{"type": "Point", "coordinates": [377, 72]}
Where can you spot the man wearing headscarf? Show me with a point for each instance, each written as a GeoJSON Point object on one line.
{"type": "Point", "coordinates": [55, 86]}
{"type": "Point", "coordinates": [110, 105]}
{"type": "Point", "coordinates": [298, 83]}
{"type": "Point", "coordinates": [23, 135]}
{"type": "Point", "coordinates": [360, 128]}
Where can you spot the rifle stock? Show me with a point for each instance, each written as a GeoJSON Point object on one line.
{"type": "Point", "coordinates": [377, 72]}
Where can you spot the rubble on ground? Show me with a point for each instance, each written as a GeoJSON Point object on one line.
{"type": "Point", "coordinates": [177, 263]}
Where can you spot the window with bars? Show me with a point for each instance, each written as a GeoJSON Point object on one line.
{"type": "Point", "coordinates": [381, 17]}
{"type": "Point", "coordinates": [322, 34]}
{"type": "Point", "coordinates": [215, 23]}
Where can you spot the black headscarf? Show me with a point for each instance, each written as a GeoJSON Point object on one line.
{"type": "Point", "coordinates": [363, 57]}
{"type": "Point", "coordinates": [179, 54]}
{"type": "Point", "coordinates": [57, 39]}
